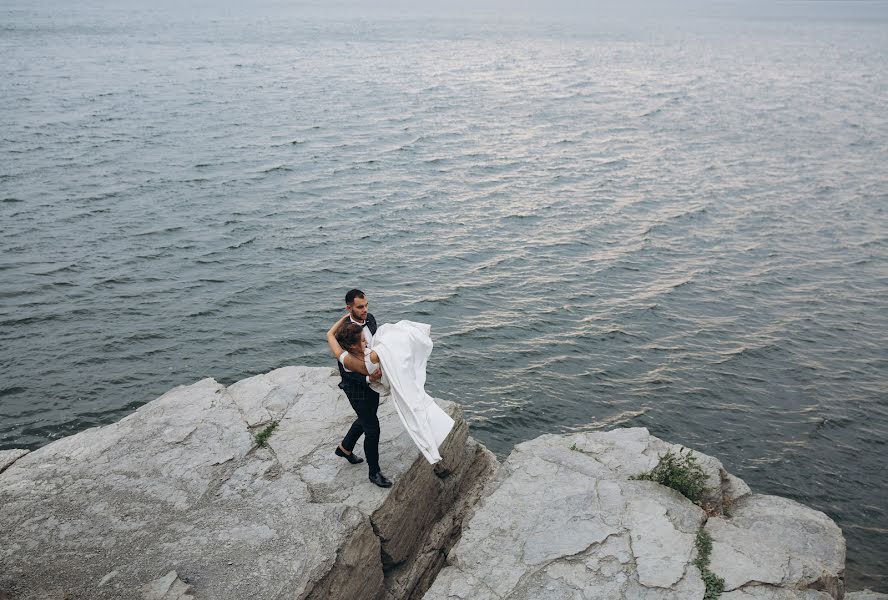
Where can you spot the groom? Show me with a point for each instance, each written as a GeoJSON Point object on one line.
{"type": "Point", "coordinates": [363, 400]}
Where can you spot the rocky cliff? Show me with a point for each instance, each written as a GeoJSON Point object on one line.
{"type": "Point", "coordinates": [179, 501]}
{"type": "Point", "coordinates": [565, 519]}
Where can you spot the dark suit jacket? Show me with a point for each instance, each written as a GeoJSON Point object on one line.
{"type": "Point", "coordinates": [355, 382]}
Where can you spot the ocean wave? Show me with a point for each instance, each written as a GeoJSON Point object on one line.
{"type": "Point", "coordinates": [237, 245]}
{"type": "Point", "coordinates": [160, 231]}
{"type": "Point", "coordinates": [765, 351]}
{"type": "Point", "coordinates": [12, 390]}
{"type": "Point", "coordinates": [276, 168]}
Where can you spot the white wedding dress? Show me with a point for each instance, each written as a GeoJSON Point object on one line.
{"type": "Point", "coordinates": [403, 349]}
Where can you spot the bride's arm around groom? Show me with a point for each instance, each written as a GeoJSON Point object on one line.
{"type": "Point", "coordinates": [348, 346]}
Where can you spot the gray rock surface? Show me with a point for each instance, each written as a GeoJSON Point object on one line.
{"type": "Point", "coordinates": [777, 541]}
{"type": "Point", "coordinates": [175, 501]}
{"type": "Point", "coordinates": [7, 457]}
{"type": "Point", "coordinates": [766, 592]}
{"type": "Point", "coordinates": [562, 520]}
{"type": "Point", "coordinates": [168, 587]}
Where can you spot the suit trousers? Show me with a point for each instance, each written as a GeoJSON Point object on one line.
{"type": "Point", "coordinates": [365, 402]}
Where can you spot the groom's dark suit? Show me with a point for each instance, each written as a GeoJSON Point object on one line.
{"type": "Point", "coordinates": [365, 403]}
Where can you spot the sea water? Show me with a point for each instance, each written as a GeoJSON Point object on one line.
{"type": "Point", "coordinates": [669, 215]}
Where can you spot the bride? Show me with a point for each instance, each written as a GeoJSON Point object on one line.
{"type": "Point", "coordinates": [401, 350]}
{"type": "Point", "coordinates": [350, 347]}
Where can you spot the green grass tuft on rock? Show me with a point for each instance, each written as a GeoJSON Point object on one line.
{"type": "Point", "coordinates": [704, 549]}
{"type": "Point", "coordinates": [261, 438]}
{"type": "Point", "coordinates": [680, 472]}
{"type": "Point", "coordinates": [715, 585]}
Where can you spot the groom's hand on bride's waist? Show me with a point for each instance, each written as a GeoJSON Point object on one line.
{"type": "Point", "coordinates": [376, 375]}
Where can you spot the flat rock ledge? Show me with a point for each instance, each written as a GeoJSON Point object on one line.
{"type": "Point", "coordinates": [177, 502]}
{"type": "Point", "coordinates": [563, 520]}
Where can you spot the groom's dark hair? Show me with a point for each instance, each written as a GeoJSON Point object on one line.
{"type": "Point", "coordinates": [352, 294]}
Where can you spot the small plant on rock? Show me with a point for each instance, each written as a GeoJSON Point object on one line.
{"type": "Point", "coordinates": [680, 472]}
{"type": "Point", "coordinates": [715, 585]}
{"type": "Point", "coordinates": [262, 437]}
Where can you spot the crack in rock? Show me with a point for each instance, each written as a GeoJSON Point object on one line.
{"type": "Point", "coordinates": [9, 457]}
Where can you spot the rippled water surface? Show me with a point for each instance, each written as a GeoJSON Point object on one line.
{"type": "Point", "coordinates": [611, 216]}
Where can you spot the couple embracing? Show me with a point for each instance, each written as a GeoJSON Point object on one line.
{"type": "Point", "coordinates": [390, 359]}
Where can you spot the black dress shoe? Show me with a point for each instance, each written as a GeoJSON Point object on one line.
{"type": "Point", "coordinates": [349, 457]}
{"type": "Point", "coordinates": [380, 480]}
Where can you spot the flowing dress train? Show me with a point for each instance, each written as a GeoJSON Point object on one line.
{"type": "Point", "coordinates": [403, 349]}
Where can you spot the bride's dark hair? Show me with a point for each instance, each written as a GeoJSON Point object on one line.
{"type": "Point", "coordinates": [349, 334]}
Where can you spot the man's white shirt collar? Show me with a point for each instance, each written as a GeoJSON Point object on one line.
{"type": "Point", "coordinates": [366, 330]}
